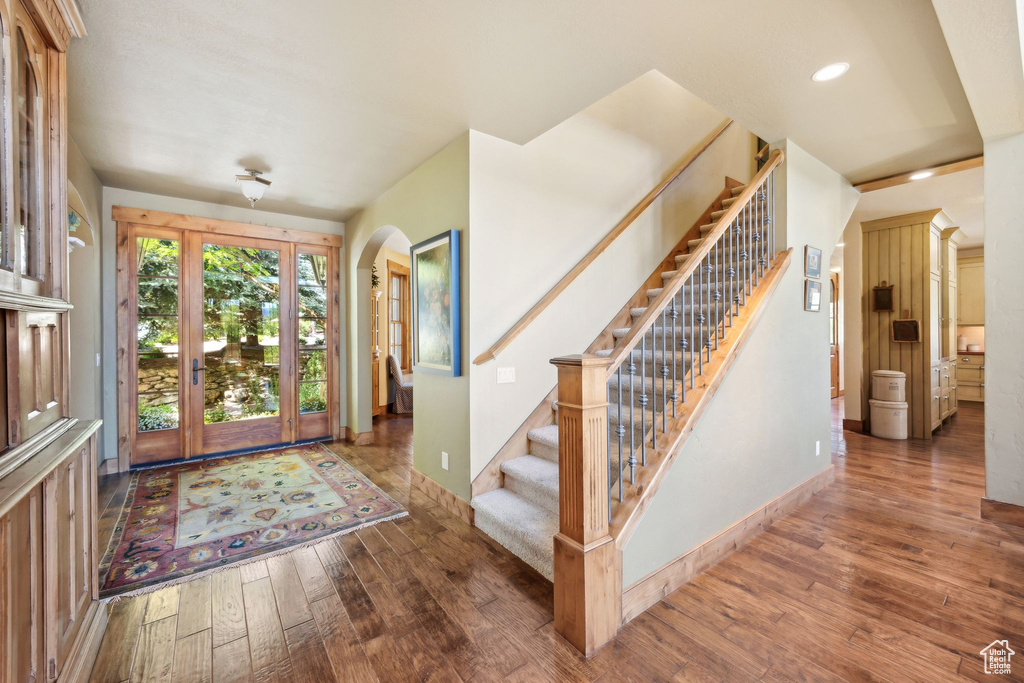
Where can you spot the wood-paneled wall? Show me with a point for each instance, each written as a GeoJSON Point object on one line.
{"type": "Point", "coordinates": [903, 251]}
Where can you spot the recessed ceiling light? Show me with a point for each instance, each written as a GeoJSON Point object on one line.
{"type": "Point", "coordinates": [841, 244]}
{"type": "Point", "coordinates": [827, 73]}
{"type": "Point", "coordinates": [922, 175]}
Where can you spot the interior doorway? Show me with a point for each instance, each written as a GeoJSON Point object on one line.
{"type": "Point", "coordinates": [391, 331]}
{"type": "Point", "coordinates": [228, 341]}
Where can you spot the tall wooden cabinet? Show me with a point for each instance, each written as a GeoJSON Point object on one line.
{"type": "Point", "coordinates": [971, 293]}
{"type": "Point", "coordinates": [51, 620]}
{"type": "Point", "coordinates": [914, 253]}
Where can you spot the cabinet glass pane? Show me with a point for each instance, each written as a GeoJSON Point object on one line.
{"type": "Point", "coordinates": [28, 211]}
{"type": "Point", "coordinates": [241, 303]}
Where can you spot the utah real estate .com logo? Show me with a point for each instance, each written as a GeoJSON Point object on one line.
{"type": "Point", "coordinates": [997, 657]}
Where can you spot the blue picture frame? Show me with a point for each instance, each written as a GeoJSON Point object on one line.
{"type": "Point", "coordinates": [436, 290]}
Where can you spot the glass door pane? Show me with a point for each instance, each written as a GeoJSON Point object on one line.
{"type": "Point", "coordinates": [157, 333]}
{"type": "Point", "coordinates": [312, 332]}
{"type": "Point", "coordinates": [241, 326]}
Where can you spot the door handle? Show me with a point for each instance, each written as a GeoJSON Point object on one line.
{"type": "Point", "coordinates": [195, 371]}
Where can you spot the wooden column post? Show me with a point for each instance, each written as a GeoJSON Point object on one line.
{"type": "Point", "coordinates": [588, 591]}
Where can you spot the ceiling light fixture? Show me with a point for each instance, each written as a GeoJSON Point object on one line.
{"type": "Point", "coordinates": [827, 73]}
{"type": "Point", "coordinates": [921, 175]}
{"type": "Point", "coordinates": [841, 244]}
{"type": "Point", "coordinates": [253, 186]}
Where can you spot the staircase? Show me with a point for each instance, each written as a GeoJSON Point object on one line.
{"type": "Point", "coordinates": [654, 364]}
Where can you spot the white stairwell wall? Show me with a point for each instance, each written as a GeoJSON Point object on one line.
{"type": "Point", "coordinates": [537, 209]}
{"type": "Point", "coordinates": [757, 439]}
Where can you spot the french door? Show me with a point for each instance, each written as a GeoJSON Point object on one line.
{"type": "Point", "coordinates": [233, 339]}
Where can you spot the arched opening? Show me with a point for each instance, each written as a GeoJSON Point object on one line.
{"type": "Point", "coordinates": [386, 330]}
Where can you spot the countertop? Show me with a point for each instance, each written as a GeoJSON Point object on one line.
{"type": "Point", "coordinates": [970, 353]}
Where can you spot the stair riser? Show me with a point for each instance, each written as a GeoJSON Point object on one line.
{"type": "Point", "coordinates": [544, 450]}
{"type": "Point", "coordinates": [525, 548]}
{"type": "Point", "coordinates": [531, 491]}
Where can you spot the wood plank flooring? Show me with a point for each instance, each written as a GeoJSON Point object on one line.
{"type": "Point", "coordinates": [889, 574]}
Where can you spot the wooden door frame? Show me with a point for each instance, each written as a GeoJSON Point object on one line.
{"type": "Point", "coordinates": [285, 239]}
{"type": "Point", "coordinates": [834, 310]}
{"type": "Point", "coordinates": [127, 328]}
{"type": "Point", "coordinates": [395, 267]}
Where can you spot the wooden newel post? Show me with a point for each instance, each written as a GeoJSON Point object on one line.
{"type": "Point", "coordinates": [587, 590]}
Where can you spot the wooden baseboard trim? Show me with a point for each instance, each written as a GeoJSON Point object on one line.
{"type": "Point", "coordinates": [442, 496]}
{"type": "Point", "coordinates": [853, 425]}
{"type": "Point", "coordinates": [1003, 513]}
{"type": "Point", "coordinates": [108, 466]}
{"type": "Point", "coordinates": [358, 438]}
{"type": "Point", "coordinates": [655, 586]}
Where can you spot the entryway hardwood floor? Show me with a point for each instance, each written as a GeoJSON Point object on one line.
{"type": "Point", "coordinates": [889, 574]}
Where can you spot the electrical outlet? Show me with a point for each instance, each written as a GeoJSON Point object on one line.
{"type": "Point", "coordinates": [817, 448]}
{"type": "Point", "coordinates": [444, 461]}
{"type": "Point", "coordinates": [506, 375]}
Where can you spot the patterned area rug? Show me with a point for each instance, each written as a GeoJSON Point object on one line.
{"type": "Point", "coordinates": [184, 520]}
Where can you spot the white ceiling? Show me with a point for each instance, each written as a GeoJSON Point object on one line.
{"type": "Point", "coordinates": [337, 100]}
{"type": "Point", "coordinates": [960, 195]}
{"type": "Point", "coordinates": [986, 40]}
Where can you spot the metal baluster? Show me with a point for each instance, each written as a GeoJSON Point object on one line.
{"type": "Point", "coordinates": [746, 252]}
{"type": "Point", "coordinates": [621, 431]}
{"type": "Point", "coordinates": [675, 347]}
{"type": "Point", "coordinates": [607, 395]}
{"type": "Point", "coordinates": [763, 193]}
{"type": "Point", "coordinates": [643, 399]}
{"type": "Point", "coordinates": [719, 282]}
{"type": "Point", "coordinates": [731, 270]}
{"type": "Point", "coordinates": [761, 232]}
{"type": "Point", "coordinates": [632, 418]}
{"type": "Point", "coordinates": [654, 384]}
{"type": "Point", "coordinates": [707, 304]}
{"type": "Point", "coordinates": [771, 187]}
{"type": "Point", "coordinates": [664, 369]}
{"type": "Point", "coordinates": [712, 301]}
{"type": "Point", "coordinates": [689, 337]}
{"type": "Point", "coordinates": [699, 341]}
{"type": "Point", "coordinates": [734, 262]}
{"type": "Point", "coordinates": [755, 236]}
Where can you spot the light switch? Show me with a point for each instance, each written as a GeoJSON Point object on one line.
{"type": "Point", "coordinates": [506, 375]}
{"type": "Point", "coordinates": [444, 460]}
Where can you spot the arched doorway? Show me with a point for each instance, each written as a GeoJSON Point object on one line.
{"type": "Point", "coordinates": [383, 332]}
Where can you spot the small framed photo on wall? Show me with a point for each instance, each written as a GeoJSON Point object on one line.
{"type": "Point", "coordinates": [812, 261]}
{"type": "Point", "coordinates": [812, 295]}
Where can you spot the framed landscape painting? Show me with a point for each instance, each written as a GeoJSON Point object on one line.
{"type": "Point", "coordinates": [436, 310]}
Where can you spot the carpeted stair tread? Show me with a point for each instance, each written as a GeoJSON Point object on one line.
{"type": "Point", "coordinates": [544, 442]}
{"type": "Point", "coordinates": [533, 478]}
{"type": "Point", "coordinates": [525, 528]}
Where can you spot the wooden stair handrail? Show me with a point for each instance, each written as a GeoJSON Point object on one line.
{"type": "Point", "coordinates": [598, 249]}
{"type": "Point", "coordinates": [639, 328]}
